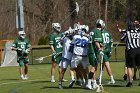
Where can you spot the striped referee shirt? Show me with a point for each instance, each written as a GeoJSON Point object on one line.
{"type": "Point", "coordinates": [132, 39]}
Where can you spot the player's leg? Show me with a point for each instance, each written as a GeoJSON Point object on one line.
{"type": "Point", "coordinates": [85, 65]}
{"type": "Point", "coordinates": [79, 76]}
{"type": "Point", "coordinates": [130, 61]}
{"type": "Point", "coordinates": [129, 71]}
{"type": "Point", "coordinates": [74, 63]}
{"type": "Point", "coordinates": [125, 72]}
{"type": "Point", "coordinates": [125, 68]}
{"type": "Point", "coordinates": [21, 68]}
{"type": "Point", "coordinates": [55, 60]}
{"type": "Point", "coordinates": [62, 69]}
{"type": "Point", "coordinates": [26, 70]}
{"type": "Point", "coordinates": [135, 72]}
{"type": "Point", "coordinates": [26, 60]}
{"type": "Point", "coordinates": [53, 67]}
{"type": "Point", "coordinates": [108, 68]}
{"type": "Point", "coordinates": [92, 73]}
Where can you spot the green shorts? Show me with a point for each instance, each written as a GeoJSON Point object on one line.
{"type": "Point", "coordinates": [22, 61]}
{"type": "Point", "coordinates": [106, 56]}
{"type": "Point", "coordinates": [93, 60]}
{"type": "Point", "coordinates": [57, 58]}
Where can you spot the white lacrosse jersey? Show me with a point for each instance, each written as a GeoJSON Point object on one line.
{"type": "Point", "coordinates": [80, 45]}
{"type": "Point", "coordinates": [66, 46]}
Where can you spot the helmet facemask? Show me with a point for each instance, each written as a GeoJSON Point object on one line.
{"type": "Point", "coordinates": [22, 34]}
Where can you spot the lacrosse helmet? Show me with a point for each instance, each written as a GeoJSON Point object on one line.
{"type": "Point", "coordinates": [56, 27]}
{"type": "Point", "coordinates": [85, 28]}
{"type": "Point", "coordinates": [21, 34]}
{"type": "Point", "coordinates": [100, 23]}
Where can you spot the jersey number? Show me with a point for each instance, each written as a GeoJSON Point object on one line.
{"type": "Point", "coordinates": [105, 37]}
{"type": "Point", "coordinates": [80, 42]}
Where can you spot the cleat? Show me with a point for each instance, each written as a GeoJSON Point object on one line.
{"type": "Point", "coordinates": [64, 80]}
{"type": "Point", "coordinates": [83, 85]}
{"type": "Point", "coordinates": [129, 84]}
{"type": "Point", "coordinates": [111, 82]}
{"type": "Point", "coordinates": [78, 83]}
{"type": "Point", "coordinates": [95, 86]}
{"type": "Point", "coordinates": [26, 77]}
{"type": "Point", "coordinates": [125, 77]}
{"type": "Point", "coordinates": [71, 83]}
{"type": "Point", "coordinates": [134, 77]}
{"type": "Point", "coordinates": [22, 77]}
{"type": "Point", "coordinates": [52, 81]}
{"type": "Point", "coordinates": [60, 86]}
{"type": "Point", "coordinates": [89, 87]}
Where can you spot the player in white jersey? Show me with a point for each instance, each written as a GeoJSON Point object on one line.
{"type": "Point", "coordinates": [66, 55]}
{"type": "Point", "coordinates": [80, 48]}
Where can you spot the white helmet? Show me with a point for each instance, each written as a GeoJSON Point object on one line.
{"type": "Point", "coordinates": [77, 26]}
{"type": "Point", "coordinates": [21, 34]}
{"type": "Point", "coordinates": [56, 26]}
{"type": "Point", "coordinates": [70, 31]}
{"type": "Point", "coordinates": [85, 28]}
{"type": "Point", "coordinates": [101, 23]}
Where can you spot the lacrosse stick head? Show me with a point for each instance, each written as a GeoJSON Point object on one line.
{"type": "Point", "coordinates": [40, 59]}
{"type": "Point", "coordinates": [100, 88]}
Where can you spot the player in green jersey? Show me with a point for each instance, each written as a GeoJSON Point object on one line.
{"type": "Point", "coordinates": [22, 46]}
{"type": "Point", "coordinates": [56, 47]}
{"type": "Point", "coordinates": [104, 41]}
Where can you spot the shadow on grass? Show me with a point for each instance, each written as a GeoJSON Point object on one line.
{"type": "Point", "coordinates": [43, 81]}
{"type": "Point", "coordinates": [64, 87]}
{"type": "Point", "coordinates": [11, 79]}
{"type": "Point", "coordinates": [114, 85]}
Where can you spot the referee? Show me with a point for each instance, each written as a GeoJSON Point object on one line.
{"type": "Point", "coordinates": [132, 35]}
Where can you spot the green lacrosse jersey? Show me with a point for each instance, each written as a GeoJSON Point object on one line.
{"type": "Point", "coordinates": [21, 44]}
{"type": "Point", "coordinates": [91, 44]}
{"type": "Point", "coordinates": [54, 39]}
{"type": "Point", "coordinates": [107, 40]}
{"type": "Point", "coordinates": [97, 35]}
{"type": "Point", "coordinates": [103, 37]}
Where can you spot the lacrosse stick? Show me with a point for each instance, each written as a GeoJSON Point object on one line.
{"type": "Point", "coordinates": [42, 58]}
{"type": "Point", "coordinates": [100, 87]}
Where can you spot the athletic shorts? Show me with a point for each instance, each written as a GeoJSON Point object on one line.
{"type": "Point", "coordinates": [106, 57]}
{"type": "Point", "coordinates": [22, 61]}
{"type": "Point", "coordinates": [133, 57]}
{"type": "Point", "coordinates": [57, 58]}
{"type": "Point", "coordinates": [64, 63]}
{"type": "Point", "coordinates": [77, 59]}
{"type": "Point", "coordinates": [93, 61]}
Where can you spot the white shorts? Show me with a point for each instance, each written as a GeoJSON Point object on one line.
{"type": "Point", "coordinates": [64, 63]}
{"type": "Point", "coordinates": [76, 59]}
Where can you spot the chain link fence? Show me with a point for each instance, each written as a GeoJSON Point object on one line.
{"type": "Point", "coordinates": [118, 54]}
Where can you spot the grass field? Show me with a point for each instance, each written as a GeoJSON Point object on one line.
{"type": "Point", "coordinates": [39, 81]}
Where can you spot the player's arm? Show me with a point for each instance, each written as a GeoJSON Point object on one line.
{"type": "Point", "coordinates": [51, 43]}
{"type": "Point", "coordinates": [28, 48]}
{"type": "Point", "coordinates": [119, 29]}
{"type": "Point", "coordinates": [14, 46]}
{"type": "Point", "coordinates": [52, 48]}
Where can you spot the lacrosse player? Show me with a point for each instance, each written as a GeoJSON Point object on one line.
{"type": "Point", "coordinates": [22, 46]}
{"type": "Point", "coordinates": [66, 55]}
{"type": "Point", "coordinates": [80, 49]}
{"type": "Point", "coordinates": [56, 47]}
{"type": "Point", "coordinates": [104, 42]}
{"type": "Point", "coordinates": [92, 54]}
